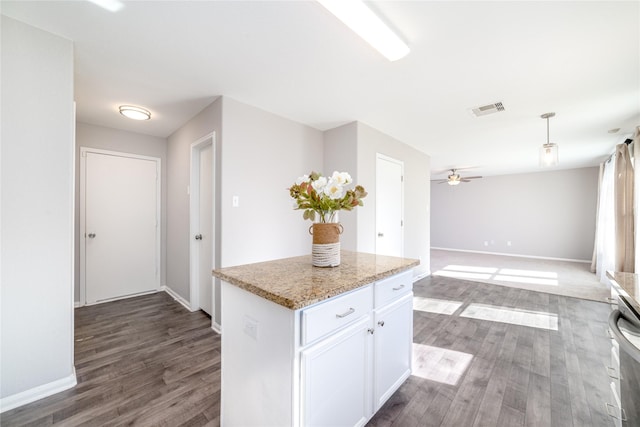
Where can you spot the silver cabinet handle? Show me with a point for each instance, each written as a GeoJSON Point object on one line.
{"type": "Point", "coordinates": [198, 236]}
{"type": "Point", "coordinates": [91, 235]}
{"type": "Point", "coordinates": [381, 323]}
{"type": "Point", "coordinates": [398, 288]}
{"type": "Point", "coordinates": [613, 374]}
{"type": "Point", "coordinates": [623, 415]}
{"type": "Point", "coordinates": [380, 234]}
{"type": "Point", "coordinates": [346, 313]}
{"type": "Point", "coordinates": [370, 331]}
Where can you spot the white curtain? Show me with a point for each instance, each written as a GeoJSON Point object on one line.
{"type": "Point", "coordinates": [623, 194]}
{"type": "Point", "coordinates": [605, 227]}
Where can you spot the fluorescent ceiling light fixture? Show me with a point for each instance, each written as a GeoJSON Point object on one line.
{"type": "Point", "coordinates": [357, 16]}
{"type": "Point", "coordinates": [110, 5]}
{"type": "Point", "coordinates": [135, 113]}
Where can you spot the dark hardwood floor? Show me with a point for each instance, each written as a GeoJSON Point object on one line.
{"type": "Point", "coordinates": [148, 361]}
{"type": "Point", "coordinates": [140, 361]}
{"type": "Point", "coordinates": [518, 375]}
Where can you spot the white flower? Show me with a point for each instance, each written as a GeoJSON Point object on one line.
{"type": "Point", "coordinates": [319, 184]}
{"type": "Point", "coordinates": [303, 178]}
{"type": "Point", "coordinates": [333, 189]}
{"type": "Point", "coordinates": [343, 178]}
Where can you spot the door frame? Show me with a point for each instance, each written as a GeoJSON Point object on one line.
{"type": "Point", "coordinates": [380, 156]}
{"type": "Point", "coordinates": [83, 210]}
{"type": "Point", "coordinates": [194, 221]}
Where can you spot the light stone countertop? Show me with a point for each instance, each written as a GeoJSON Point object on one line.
{"type": "Point", "coordinates": [628, 284]}
{"type": "Point", "coordinates": [294, 283]}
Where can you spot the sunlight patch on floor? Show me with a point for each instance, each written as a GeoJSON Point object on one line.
{"type": "Point", "coordinates": [514, 316]}
{"type": "Point", "coordinates": [529, 273]}
{"type": "Point", "coordinates": [437, 306]}
{"type": "Point", "coordinates": [547, 278]}
{"type": "Point", "coordinates": [532, 280]}
{"type": "Point", "coordinates": [439, 364]}
{"type": "Point", "coordinates": [462, 275]}
{"type": "Point", "coordinates": [472, 269]}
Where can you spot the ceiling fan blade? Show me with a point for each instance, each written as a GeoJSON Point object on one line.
{"type": "Point", "coordinates": [439, 181]}
{"type": "Point", "coordinates": [471, 177]}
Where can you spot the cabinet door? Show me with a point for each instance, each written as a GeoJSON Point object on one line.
{"type": "Point", "coordinates": [336, 378]}
{"type": "Point", "coordinates": [393, 341]}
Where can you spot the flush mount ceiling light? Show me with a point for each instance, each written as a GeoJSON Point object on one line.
{"type": "Point", "coordinates": [135, 113]}
{"type": "Point", "coordinates": [548, 151]}
{"type": "Point", "coordinates": [357, 16]}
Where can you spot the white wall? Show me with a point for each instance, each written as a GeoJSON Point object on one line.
{"type": "Point", "coordinates": [262, 155]}
{"type": "Point", "coordinates": [178, 175]}
{"type": "Point", "coordinates": [258, 156]}
{"type": "Point", "coordinates": [36, 345]}
{"type": "Point", "coordinates": [104, 138]}
{"type": "Point", "coordinates": [416, 194]}
{"type": "Point", "coordinates": [341, 154]}
{"type": "Point", "coordinates": [546, 214]}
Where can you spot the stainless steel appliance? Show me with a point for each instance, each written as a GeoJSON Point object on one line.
{"type": "Point", "coordinates": [624, 324]}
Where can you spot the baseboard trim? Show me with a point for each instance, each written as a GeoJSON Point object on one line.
{"type": "Point", "coordinates": [421, 276]}
{"type": "Point", "coordinates": [77, 304]}
{"type": "Point", "coordinates": [216, 328]}
{"type": "Point", "coordinates": [512, 255]}
{"type": "Point", "coordinates": [176, 297]}
{"type": "Point", "coordinates": [37, 393]}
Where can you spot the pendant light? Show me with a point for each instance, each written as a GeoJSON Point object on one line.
{"type": "Point", "coordinates": [548, 151]}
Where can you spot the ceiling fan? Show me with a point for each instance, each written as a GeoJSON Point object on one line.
{"type": "Point", "coordinates": [454, 178]}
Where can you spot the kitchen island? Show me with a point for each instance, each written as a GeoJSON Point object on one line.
{"type": "Point", "coordinates": [304, 345]}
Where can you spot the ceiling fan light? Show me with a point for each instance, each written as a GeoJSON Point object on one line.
{"type": "Point", "coordinates": [135, 113]}
{"type": "Point", "coordinates": [453, 182]}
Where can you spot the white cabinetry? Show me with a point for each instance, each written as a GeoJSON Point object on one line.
{"type": "Point", "coordinates": [333, 363]}
{"type": "Point", "coordinates": [392, 351]}
{"type": "Point", "coordinates": [336, 378]}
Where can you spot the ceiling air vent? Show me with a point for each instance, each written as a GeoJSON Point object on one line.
{"type": "Point", "coordinates": [487, 109]}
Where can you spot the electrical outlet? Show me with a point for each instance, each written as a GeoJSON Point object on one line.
{"type": "Point", "coordinates": [235, 201]}
{"type": "Point", "coordinates": [508, 242]}
{"type": "Point", "coordinates": [486, 243]}
{"type": "Point", "coordinates": [250, 327]}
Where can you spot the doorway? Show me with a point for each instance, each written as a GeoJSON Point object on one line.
{"type": "Point", "coordinates": [389, 206]}
{"type": "Point", "coordinates": [119, 225]}
{"type": "Point", "coordinates": [202, 229]}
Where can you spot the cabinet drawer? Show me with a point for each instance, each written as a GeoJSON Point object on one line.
{"type": "Point", "coordinates": [393, 287]}
{"type": "Point", "coordinates": [331, 315]}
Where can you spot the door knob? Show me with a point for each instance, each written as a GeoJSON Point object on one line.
{"type": "Point", "coordinates": [198, 236]}
{"type": "Point", "coordinates": [91, 235]}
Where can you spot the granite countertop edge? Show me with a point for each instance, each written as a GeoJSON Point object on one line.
{"type": "Point", "coordinates": [302, 302]}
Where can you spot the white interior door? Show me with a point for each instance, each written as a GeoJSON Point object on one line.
{"type": "Point", "coordinates": [205, 249]}
{"type": "Point", "coordinates": [202, 290]}
{"type": "Point", "coordinates": [389, 206]}
{"type": "Point", "coordinates": [121, 218]}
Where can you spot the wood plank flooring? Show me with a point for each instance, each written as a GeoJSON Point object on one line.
{"type": "Point", "coordinates": [140, 361]}
{"type": "Point", "coordinates": [148, 361]}
{"type": "Point", "coordinates": [519, 375]}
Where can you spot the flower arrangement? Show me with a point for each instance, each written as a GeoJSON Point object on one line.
{"type": "Point", "coordinates": [325, 196]}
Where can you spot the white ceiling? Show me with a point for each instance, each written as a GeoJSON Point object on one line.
{"type": "Point", "coordinates": [580, 60]}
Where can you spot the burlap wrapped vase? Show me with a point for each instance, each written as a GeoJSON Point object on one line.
{"type": "Point", "coordinates": [325, 249]}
